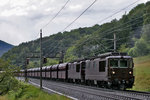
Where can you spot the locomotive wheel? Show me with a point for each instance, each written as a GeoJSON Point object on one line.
{"type": "Point", "coordinates": [122, 87]}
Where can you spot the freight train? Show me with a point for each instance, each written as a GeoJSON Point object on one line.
{"type": "Point", "coordinates": [111, 70]}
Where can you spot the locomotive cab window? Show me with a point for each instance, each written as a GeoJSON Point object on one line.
{"type": "Point", "coordinates": [83, 65]}
{"type": "Point", "coordinates": [102, 65]}
{"type": "Point", "coordinates": [130, 63]}
{"type": "Point", "coordinates": [73, 66]}
{"type": "Point", "coordinates": [123, 63]}
{"type": "Point", "coordinates": [114, 63]}
{"type": "Point", "coordinates": [78, 68]}
{"type": "Point", "coordinates": [94, 64]}
{"type": "Point", "coordinates": [88, 64]}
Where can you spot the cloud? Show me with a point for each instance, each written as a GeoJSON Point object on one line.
{"type": "Point", "coordinates": [3, 2]}
{"type": "Point", "coordinates": [17, 11]}
{"type": "Point", "coordinates": [21, 20]}
{"type": "Point", "coordinates": [75, 7]}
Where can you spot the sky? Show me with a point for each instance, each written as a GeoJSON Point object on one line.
{"type": "Point", "coordinates": [21, 20]}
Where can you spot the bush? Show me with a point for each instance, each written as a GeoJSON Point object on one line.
{"type": "Point", "coordinates": [29, 92]}
{"type": "Point", "coordinates": [7, 79]}
{"type": "Point", "coordinates": [140, 48]}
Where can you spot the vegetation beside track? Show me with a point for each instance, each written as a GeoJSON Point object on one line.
{"type": "Point", "coordinates": [142, 73]}
{"type": "Point", "coordinates": [29, 92]}
{"type": "Point", "coordinates": [12, 89]}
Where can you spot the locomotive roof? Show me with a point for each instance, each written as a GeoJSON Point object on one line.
{"type": "Point", "coordinates": [126, 57]}
{"type": "Point", "coordinates": [113, 54]}
{"type": "Point", "coordinates": [102, 56]}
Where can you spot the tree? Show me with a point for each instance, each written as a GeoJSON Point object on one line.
{"type": "Point", "coordinates": [70, 54]}
{"type": "Point", "coordinates": [140, 48]}
{"type": "Point", "coordinates": [7, 80]}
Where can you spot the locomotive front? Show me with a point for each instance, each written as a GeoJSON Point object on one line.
{"type": "Point", "coordinates": [120, 71]}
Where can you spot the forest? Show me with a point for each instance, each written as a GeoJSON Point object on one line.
{"type": "Point", "coordinates": [132, 35]}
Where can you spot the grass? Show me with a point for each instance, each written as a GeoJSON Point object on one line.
{"type": "Point", "coordinates": [3, 98]}
{"type": "Point", "coordinates": [29, 92]}
{"type": "Point", "coordinates": [142, 73]}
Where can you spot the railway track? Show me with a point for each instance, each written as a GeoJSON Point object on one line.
{"type": "Point", "coordinates": [82, 92]}
{"type": "Point", "coordinates": [138, 94]}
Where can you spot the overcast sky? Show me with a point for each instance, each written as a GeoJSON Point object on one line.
{"type": "Point", "coordinates": [21, 20]}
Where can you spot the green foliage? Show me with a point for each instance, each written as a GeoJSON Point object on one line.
{"type": "Point", "coordinates": [52, 45]}
{"type": "Point", "coordinates": [51, 62]}
{"type": "Point", "coordinates": [142, 73]}
{"type": "Point", "coordinates": [70, 54]}
{"type": "Point", "coordinates": [28, 92]}
{"type": "Point", "coordinates": [132, 52]}
{"type": "Point", "coordinates": [123, 48]}
{"type": "Point", "coordinates": [142, 45]}
{"type": "Point", "coordinates": [33, 63]}
{"type": "Point", "coordinates": [140, 48]}
{"type": "Point", "coordinates": [7, 80]}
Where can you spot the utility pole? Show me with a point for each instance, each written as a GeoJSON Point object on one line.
{"type": "Point", "coordinates": [114, 42]}
{"type": "Point", "coordinates": [26, 64]}
{"type": "Point", "coordinates": [41, 61]}
{"type": "Point", "coordinates": [25, 74]}
{"type": "Point", "coordinates": [61, 57]}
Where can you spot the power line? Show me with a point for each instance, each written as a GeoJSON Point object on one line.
{"type": "Point", "coordinates": [88, 8]}
{"type": "Point", "coordinates": [83, 13]}
{"type": "Point", "coordinates": [108, 32]}
{"type": "Point", "coordinates": [37, 35]}
{"type": "Point", "coordinates": [56, 14]}
{"type": "Point", "coordinates": [102, 46]}
{"type": "Point", "coordinates": [121, 29]}
{"type": "Point", "coordinates": [119, 40]}
{"type": "Point", "coordinates": [79, 16]}
{"type": "Point", "coordinates": [107, 48]}
{"type": "Point", "coordinates": [53, 17]}
{"type": "Point", "coordinates": [118, 11]}
{"type": "Point", "coordinates": [131, 32]}
{"type": "Point", "coordinates": [121, 26]}
{"type": "Point", "coordinates": [111, 16]}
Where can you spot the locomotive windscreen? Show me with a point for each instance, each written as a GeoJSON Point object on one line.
{"type": "Point", "coordinates": [121, 63]}
{"type": "Point", "coordinates": [114, 63]}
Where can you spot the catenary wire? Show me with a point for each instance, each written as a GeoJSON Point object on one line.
{"type": "Point", "coordinates": [124, 28]}
{"type": "Point", "coordinates": [122, 9]}
{"type": "Point", "coordinates": [118, 11]}
{"type": "Point", "coordinates": [79, 16]}
{"type": "Point", "coordinates": [56, 14]}
{"type": "Point", "coordinates": [53, 17]}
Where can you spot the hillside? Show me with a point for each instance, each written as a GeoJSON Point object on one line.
{"type": "Point", "coordinates": [142, 73]}
{"type": "Point", "coordinates": [132, 33]}
{"type": "Point", "coordinates": [4, 47]}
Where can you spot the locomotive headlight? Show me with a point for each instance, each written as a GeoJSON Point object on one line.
{"type": "Point", "coordinates": [130, 72]}
{"type": "Point", "coordinates": [113, 72]}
